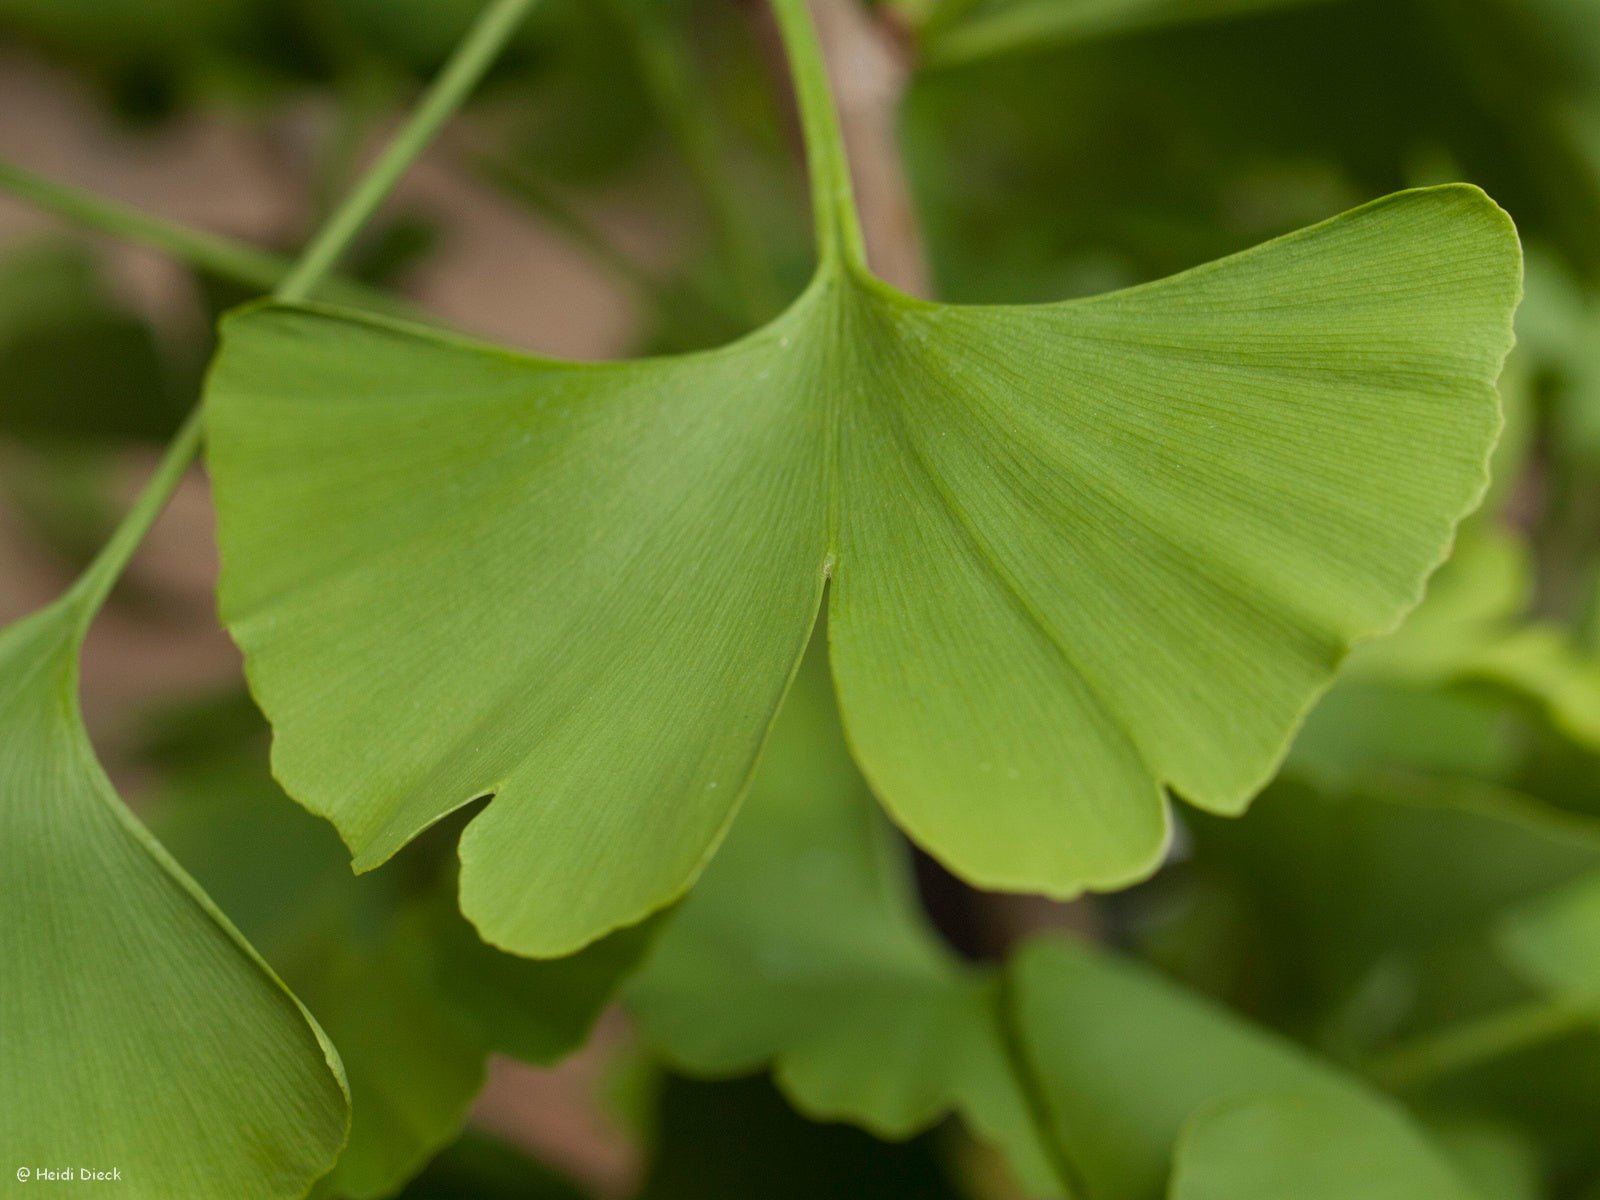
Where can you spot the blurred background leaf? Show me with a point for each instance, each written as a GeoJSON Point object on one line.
{"type": "Point", "coordinates": [402, 984]}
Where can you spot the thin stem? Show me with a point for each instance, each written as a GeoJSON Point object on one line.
{"type": "Point", "coordinates": [95, 584]}
{"type": "Point", "coordinates": [461, 74]}
{"type": "Point", "coordinates": [833, 206]}
{"type": "Point", "coordinates": [952, 36]}
{"type": "Point", "coordinates": [223, 257]}
{"type": "Point", "coordinates": [1478, 1041]}
{"type": "Point", "coordinates": [466, 66]}
{"type": "Point", "coordinates": [208, 252]}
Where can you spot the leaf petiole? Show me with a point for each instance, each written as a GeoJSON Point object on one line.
{"type": "Point", "coordinates": [1471, 1043]}
{"type": "Point", "coordinates": [833, 206]}
{"type": "Point", "coordinates": [96, 582]}
{"type": "Point", "coordinates": [466, 66]}
{"type": "Point", "coordinates": [220, 256]}
{"type": "Point", "coordinates": [224, 257]}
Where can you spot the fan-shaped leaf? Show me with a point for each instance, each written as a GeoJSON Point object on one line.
{"type": "Point", "coordinates": [1309, 1146]}
{"type": "Point", "coordinates": [142, 1033]}
{"type": "Point", "coordinates": [1430, 863]}
{"type": "Point", "coordinates": [1126, 1061]}
{"type": "Point", "coordinates": [1080, 551]}
{"type": "Point", "coordinates": [800, 948]}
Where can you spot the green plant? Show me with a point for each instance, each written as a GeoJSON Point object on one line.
{"type": "Point", "coordinates": [647, 679]}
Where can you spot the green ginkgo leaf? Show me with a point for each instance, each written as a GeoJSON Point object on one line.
{"type": "Point", "coordinates": [141, 1032]}
{"type": "Point", "coordinates": [1554, 941]}
{"type": "Point", "coordinates": [1079, 552]}
{"type": "Point", "coordinates": [1445, 694]}
{"type": "Point", "coordinates": [1473, 628]}
{"type": "Point", "coordinates": [1433, 862]}
{"type": "Point", "coordinates": [1128, 1064]}
{"type": "Point", "coordinates": [1311, 1146]}
{"type": "Point", "coordinates": [803, 949]}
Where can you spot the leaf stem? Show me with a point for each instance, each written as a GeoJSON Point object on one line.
{"type": "Point", "coordinates": [1470, 1043]}
{"type": "Point", "coordinates": [833, 206]}
{"type": "Point", "coordinates": [223, 257]}
{"type": "Point", "coordinates": [208, 252]}
{"type": "Point", "coordinates": [953, 35]}
{"type": "Point", "coordinates": [95, 584]}
{"type": "Point", "coordinates": [467, 65]}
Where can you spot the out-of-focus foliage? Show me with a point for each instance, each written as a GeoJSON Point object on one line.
{"type": "Point", "coordinates": [478, 1168]}
{"type": "Point", "coordinates": [802, 949]}
{"type": "Point", "coordinates": [75, 365]}
{"type": "Point", "coordinates": [740, 1139]}
{"type": "Point", "coordinates": [401, 983]}
{"type": "Point", "coordinates": [1059, 168]}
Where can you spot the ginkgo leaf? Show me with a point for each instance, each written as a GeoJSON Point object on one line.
{"type": "Point", "coordinates": [142, 1033]}
{"type": "Point", "coordinates": [1311, 1146]}
{"type": "Point", "coordinates": [1080, 552]}
{"type": "Point", "coordinates": [1126, 1062]}
{"type": "Point", "coordinates": [1499, 1161]}
{"type": "Point", "coordinates": [1555, 942]}
{"type": "Point", "coordinates": [1445, 693]}
{"type": "Point", "coordinates": [803, 949]}
{"type": "Point", "coordinates": [800, 948]}
{"type": "Point", "coordinates": [1430, 862]}
{"type": "Point", "coordinates": [1472, 627]}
